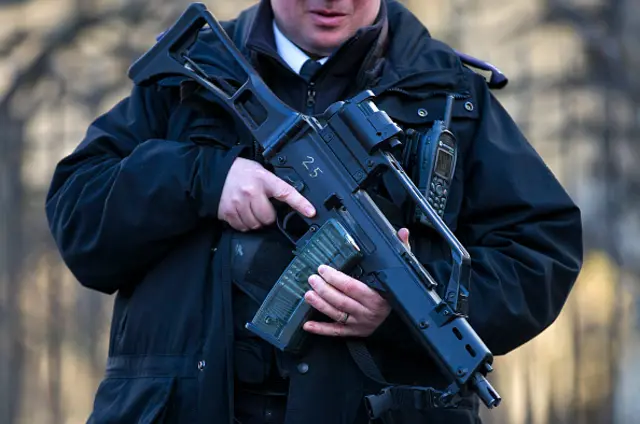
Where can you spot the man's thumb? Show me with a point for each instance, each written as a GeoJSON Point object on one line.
{"type": "Point", "coordinates": [403, 234]}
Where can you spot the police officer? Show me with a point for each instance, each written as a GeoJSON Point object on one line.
{"type": "Point", "coordinates": [165, 202]}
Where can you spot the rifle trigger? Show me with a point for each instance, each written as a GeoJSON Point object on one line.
{"type": "Point", "coordinates": [298, 184]}
{"type": "Point", "coordinates": [282, 225]}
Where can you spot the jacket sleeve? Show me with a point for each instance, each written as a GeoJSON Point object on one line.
{"type": "Point", "coordinates": [119, 201]}
{"type": "Point", "coordinates": [522, 230]}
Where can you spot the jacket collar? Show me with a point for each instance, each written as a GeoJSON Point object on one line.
{"type": "Point", "coordinates": [352, 54]}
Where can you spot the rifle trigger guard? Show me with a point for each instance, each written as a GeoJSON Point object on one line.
{"type": "Point", "coordinates": [282, 225]}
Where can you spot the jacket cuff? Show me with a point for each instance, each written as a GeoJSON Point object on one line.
{"type": "Point", "coordinates": [215, 166]}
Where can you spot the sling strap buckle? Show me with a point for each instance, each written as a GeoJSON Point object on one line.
{"type": "Point", "coordinates": [399, 397]}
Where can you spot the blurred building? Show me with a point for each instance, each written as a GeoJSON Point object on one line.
{"type": "Point", "coordinates": [574, 90]}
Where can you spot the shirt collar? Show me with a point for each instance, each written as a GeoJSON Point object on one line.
{"type": "Point", "coordinates": [289, 52]}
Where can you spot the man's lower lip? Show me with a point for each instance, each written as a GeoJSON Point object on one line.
{"type": "Point", "coordinates": [326, 20]}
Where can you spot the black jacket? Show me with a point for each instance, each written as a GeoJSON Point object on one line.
{"type": "Point", "coordinates": [133, 211]}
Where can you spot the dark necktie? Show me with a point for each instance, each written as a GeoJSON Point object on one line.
{"type": "Point", "coordinates": [309, 69]}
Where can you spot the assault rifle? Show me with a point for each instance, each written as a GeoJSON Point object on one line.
{"type": "Point", "coordinates": [332, 164]}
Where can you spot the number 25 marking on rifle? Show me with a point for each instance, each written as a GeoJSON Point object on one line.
{"type": "Point", "coordinates": [313, 173]}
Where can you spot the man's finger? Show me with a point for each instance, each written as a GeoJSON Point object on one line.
{"type": "Point", "coordinates": [351, 287]}
{"type": "Point", "coordinates": [315, 300]}
{"type": "Point", "coordinates": [278, 189]}
{"type": "Point", "coordinates": [339, 300]}
{"type": "Point", "coordinates": [329, 329]}
{"type": "Point", "coordinates": [235, 222]}
{"type": "Point", "coordinates": [263, 210]}
{"type": "Point", "coordinates": [247, 218]}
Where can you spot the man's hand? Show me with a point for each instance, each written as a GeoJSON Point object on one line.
{"type": "Point", "coordinates": [244, 202]}
{"type": "Point", "coordinates": [357, 309]}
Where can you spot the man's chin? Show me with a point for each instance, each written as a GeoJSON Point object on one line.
{"type": "Point", "coordinates": [326, 43]}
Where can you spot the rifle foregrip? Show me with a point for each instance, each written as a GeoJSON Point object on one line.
{"type": "Point", "coordinates": [282, 314]}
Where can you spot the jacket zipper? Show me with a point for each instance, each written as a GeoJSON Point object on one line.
{"type": "Point", "coordinates": [310, 100]}
{"type": "Point", "coordinates": [311, 97]}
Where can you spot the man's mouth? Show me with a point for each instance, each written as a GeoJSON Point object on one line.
{"type": "Point", "coordinates": [327, 18]}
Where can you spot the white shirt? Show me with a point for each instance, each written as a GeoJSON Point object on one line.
{"type": "Point", "coordinates": [290, 53]}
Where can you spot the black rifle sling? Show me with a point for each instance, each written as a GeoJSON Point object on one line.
{"type": "Point", "coordinates": [365, 361]}
{"type": "Point", "coordinates": [394, 398]}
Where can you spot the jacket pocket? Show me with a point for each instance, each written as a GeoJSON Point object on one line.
{"type": "Point", "coordinates": [132, 400]}
{"type": "Point", "coordinates": [147, 389]}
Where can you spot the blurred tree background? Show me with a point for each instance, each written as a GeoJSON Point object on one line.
{"type": "Point", "coordinates": [575, 91]}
